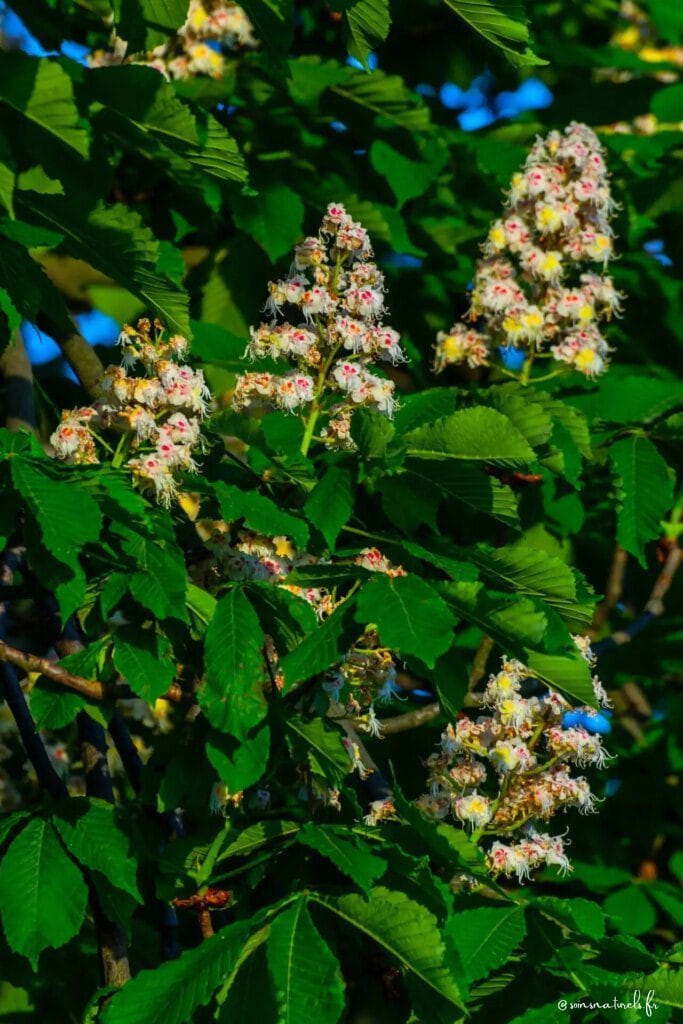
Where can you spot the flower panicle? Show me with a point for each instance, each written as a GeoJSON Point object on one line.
{"type": "Point", "coordinates": [211, 29]}
{"type": "Point", "coordinates": [325, 322]}
{"type": "Point", "coordinates": [505, 772]}
{"type": "Point", "coordinates": [155, 415]}
{"type": "Point", "coordinates": [534, 289]}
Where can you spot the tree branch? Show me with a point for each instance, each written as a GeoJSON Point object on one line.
{"type": "Point", "coordinates": [90, 688]}
{"type": "Point", "coordinates": [654, 606]}
{"type": "Point", "coordinates": [20, 402]}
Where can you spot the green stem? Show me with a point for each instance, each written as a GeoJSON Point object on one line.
{"type": "Point", "coordinates": [122, 449]}
{"type": "Point", "coordinates": [310, 427]}
{"type": "Point", "coordinates": [549, 376]}
{"type": "Point", "coordinates": [526, 369]}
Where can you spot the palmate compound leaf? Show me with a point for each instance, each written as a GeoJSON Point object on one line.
{"type": "Point", "coordinates": [304, 971]}
{"type": "Point", "coordinates": [406, 930]}
{"type": "Point", "coordinates": [410, 615]}
{"type": "Point", "coordinates": [502, 23]}
{"type": "Point", "coordinates": [645, 492]}
{"type": "Point", "coordinates": [485, 937]}
{"type": "Point", "coordinates": [42, 893]}
{"type": "Point", "coordinates": [480, 434]}
{"type": "Point", "coordinates": [171, 993]}
{"type": "Point", "coordinates": [232, 696]}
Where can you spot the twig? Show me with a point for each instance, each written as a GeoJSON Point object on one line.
{"type": "Point", "coordinates": [90, 688]}
{"type": "Point", "coordinates": [613, 589]}
{"type": "Point", "coordinates": [428, 712]}
{"type": "Point", "coordinates": [411, 719]}
{"type": "Point", "coordinates": [654, 606]}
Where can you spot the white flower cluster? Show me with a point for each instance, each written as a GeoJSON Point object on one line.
{"type": "Point", "coordinates": [531, 291]}
{"type": "Point", "coordinates": [325, 322]}
{"type": "Point", "coordinates": [212, 28]}
{"type": "Point", "coordinates": [524, 756]}
{"type": "Point", "coordinates": [156, 416]}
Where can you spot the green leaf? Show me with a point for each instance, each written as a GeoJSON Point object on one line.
{"type": "Point", "coordinates": [145, 661]}
{"type": "Point", "coordinates": [526, 570]}
{"type": "Point", "coordinates": [321, 745]}
{"type": "Point", "coordinates": [114, 240]}
{"type": "Point", "coordinates": [330, 503]}
{"type": "Point", "coordinates": [667, 104]}
{"type": "Point", "coordinates": [250, 994]}
{"type": "Point", "coordinates": [630, 910]}
{"type": "Point", "coordinates": [273, 21]}
{"type": "Point", "coordinates": [407, 177]}
{"type": "Point", "coordinates": [480, 434]}
{"type": "Point", "coordinates": [350, 856]}
{"type": "Point", "coordinates": [52, 706]}
{"type": "Point", "coordinates": [451, 846]}
{"type": "Point", "coordinates": [368, 24]}
{"type": "Point", "coordinates": [239, 765]}
{"type": "Point", "coordinates": [150, 22]}
{"type": "Point", "coordinates": [386, 96]}
{"type": "Point", "coordinates": [304, 971]}
{"type": "Point", "coordinates": [42, 92]}
{"type": "Point", "coordinates": [274, 218]}
{"type": "Point", "coordinates": [529, 416]}
{"type": "Point", "coordinates": [8, 823]}
{"type": "Point", "coordinates": [645, 492]}
{"type": "Point", "coordinates": [410, 615]}
{"type": "Point", "coordinates": [171, 993]}
{"type": "Point", "coordinates": [65, 513]}
{"type": "Point", "coordinates": [259, 513]}
{"type": "Point", "coordinates": [232, 696]}
{"type": "Point", "coordinates": [514, 622]}
{"type": "Point", "coordinates": [580, 915]}
{"type": "Point", "coordinates": [248, 840]}
{"type": "Point", "coordinates": [150, 105]}
{"type": "Point", "coordinates": [468, 484]}
{"type": "Point", "coordinates": [371, 432]}
{"type": "Point", "coordinates": [322, 647]}
{"type": "Point", "coordinates": [159, 579]}
{"type": "Point", "coordinates": [407, 931]}
{"type": "Point", "coordinates": [485, 937]}
{"type": "Point", "coordinates": [503, 24]}
{"type": "Point", "coordinates": [629, 398]}
{"type": "Point", "coordinates": [42, 893]}
{"type": "Point", "coordinates": [27, 288]}
{"type": "Point", "coordinates": [570, 675]}
{"type": "Point", "coordinates": [92, 834]}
